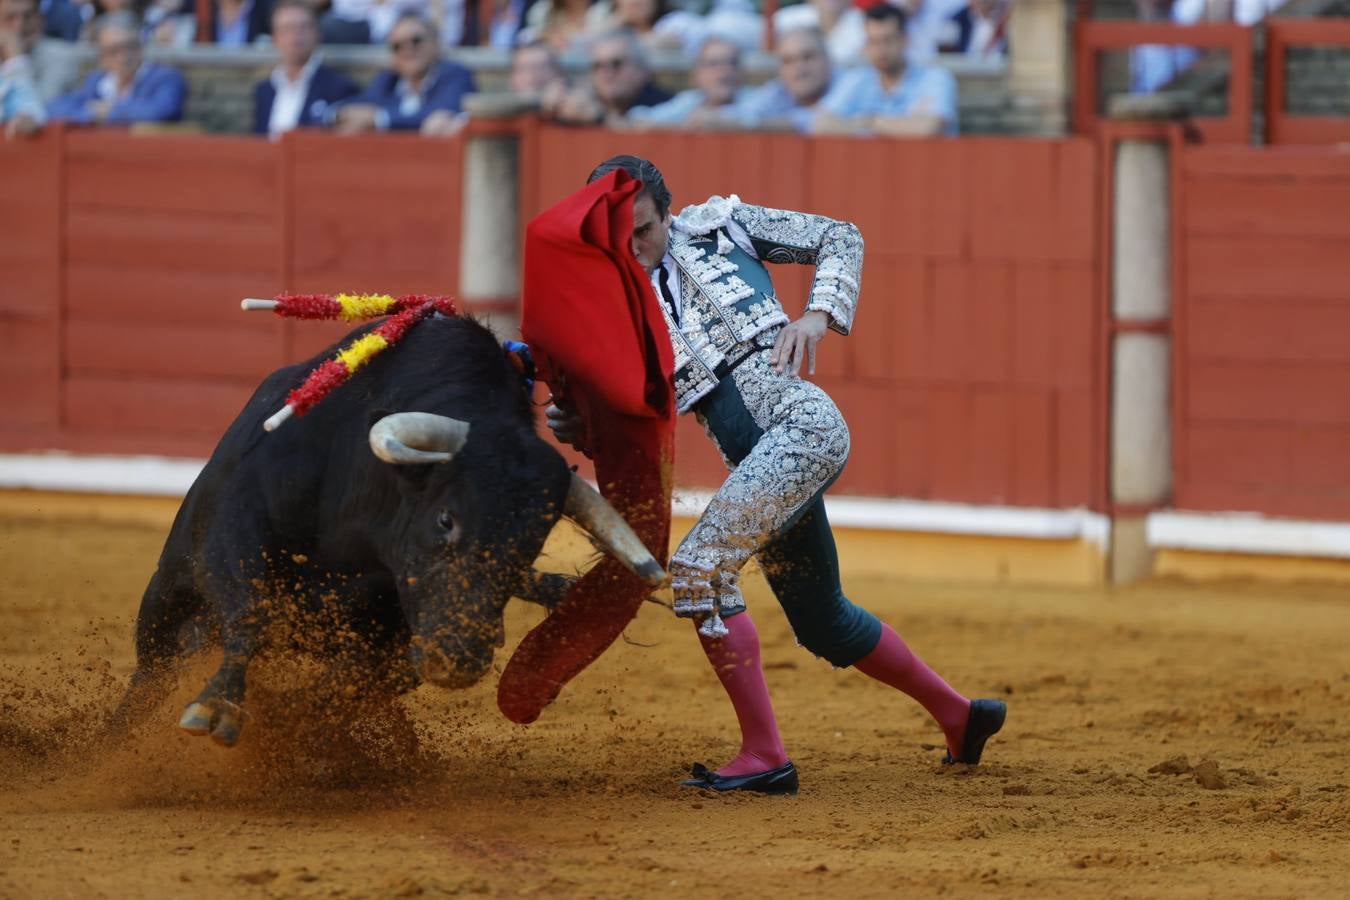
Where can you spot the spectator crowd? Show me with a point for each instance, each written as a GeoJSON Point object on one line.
{"type": "Point", "coordinates": [842, 66]}
{"type": "Point", "coordinates": [1154, 66]}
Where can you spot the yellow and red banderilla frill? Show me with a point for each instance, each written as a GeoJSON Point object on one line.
{"type": "Point", "coordinates": [404, 312]}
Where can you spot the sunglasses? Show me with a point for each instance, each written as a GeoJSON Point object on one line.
{"type": "Point", "coordinates": [613, 65]}
{"type": "Point", "coordinates": [119, 49]}
{"type": "Point", "coordinates": [409, 43]}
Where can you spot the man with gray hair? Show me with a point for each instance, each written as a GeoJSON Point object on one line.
{"type": "Point", "coordinates": [621, 79]}
{"type": "Point", "coordinates": [718, 80]}
{"type": "Point", "coordinates": [125, 88]}
{"type": "Point", "coordinates": [805, 76]}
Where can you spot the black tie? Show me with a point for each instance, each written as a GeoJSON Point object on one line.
{"type": "Point", "coordinates": [666, 294]}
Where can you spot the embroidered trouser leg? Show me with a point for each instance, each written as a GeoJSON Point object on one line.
{"type": "Point", "coordinates": [786, 443]}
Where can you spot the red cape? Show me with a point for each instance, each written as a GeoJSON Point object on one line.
{"type": "Point", "coordinates": [592, 321]}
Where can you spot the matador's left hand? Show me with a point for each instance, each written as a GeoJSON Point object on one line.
{"type": "Point", "coordinates": [797, 341]}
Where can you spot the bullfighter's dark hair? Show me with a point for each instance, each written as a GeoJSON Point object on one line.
{"type": "Point", "coordinates": [653, 182]}
{"type": "Point", "coordinates": [885, 12]}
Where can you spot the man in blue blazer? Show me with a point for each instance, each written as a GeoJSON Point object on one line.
{"type": "Point", "coordinates": [125, 88]}
{"type": "Point", "coordinates": [420, 92]}
{"type": "Point", "coordinates": [301, 89]}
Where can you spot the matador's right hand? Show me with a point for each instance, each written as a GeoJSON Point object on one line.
{"type": "Point", "coordinates": [567, 427]}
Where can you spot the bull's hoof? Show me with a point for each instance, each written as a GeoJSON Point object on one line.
{"type": "Point", "coordinates": [219, 718]}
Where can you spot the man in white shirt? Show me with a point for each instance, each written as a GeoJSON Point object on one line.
{"type": "Point", "coordinates": [301, 88]}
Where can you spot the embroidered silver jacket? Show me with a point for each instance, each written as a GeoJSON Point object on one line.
{"type": "Point", "coordinates": [727, 297]}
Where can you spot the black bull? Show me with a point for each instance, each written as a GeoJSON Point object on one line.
{"type": "Point", "coordinates": [406, 508]}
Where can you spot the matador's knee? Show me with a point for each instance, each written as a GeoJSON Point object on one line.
{"type": "Point", "coordinates": [834, 629]}
{"type": "Point", "coordinates": [702, 593]}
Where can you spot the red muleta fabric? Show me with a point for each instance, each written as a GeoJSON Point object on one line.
{"type": "Point", "coordinates": [591, 319]}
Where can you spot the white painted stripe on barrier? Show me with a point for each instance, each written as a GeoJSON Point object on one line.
{"type": "Point", "coordinates": [154, 475]}
{"type": "Point", "coordinates": [947, 518]}
{"type": "Point", "coordinates": [167, 477]}
{"type": "Point", "coordinates": [1247, 533]}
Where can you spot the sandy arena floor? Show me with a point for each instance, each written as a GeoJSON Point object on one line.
{"type": "Point", "coordinates": [1162, 741]}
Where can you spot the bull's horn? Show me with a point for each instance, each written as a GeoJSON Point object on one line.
{"type": "Point", "coordinates": [592, 512]}
{"type": "Point", "coordinates": [413, 437]}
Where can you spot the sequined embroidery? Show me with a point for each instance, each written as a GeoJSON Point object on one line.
{"type": "Point", "coordinates": [804, 445]}
{"type": "Point", "coordinates": [723, 309]}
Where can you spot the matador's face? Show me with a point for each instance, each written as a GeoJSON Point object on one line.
{"type": "Point", "coordinates": [651, 232]}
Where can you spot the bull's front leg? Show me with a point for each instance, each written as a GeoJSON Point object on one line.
{"type": "Point", "coordinates": [218, 709]}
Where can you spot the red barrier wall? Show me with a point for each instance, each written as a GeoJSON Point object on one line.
{"type": "Point", "coordinates": [1262, 368]}
{"type": "Point", "coordinates": [970, 374]}
{"type": "Point", "coordinates": [131, 255]}
{"type": "Point", "coordinates": [30, 283]}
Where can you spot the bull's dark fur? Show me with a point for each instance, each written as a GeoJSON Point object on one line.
{"type": "Point", "coordinates": [417, 558]}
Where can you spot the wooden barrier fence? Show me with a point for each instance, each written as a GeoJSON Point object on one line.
{"type": "Point", "coordinates": [976, 371]}
{"type": "Point", "coordinates": [970, 375]}
{"type": "Point", "coordinates": [129, 256]}
{"type": "Point", "coordinates": [1262, 369]}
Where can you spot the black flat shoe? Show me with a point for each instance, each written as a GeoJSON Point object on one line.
{"type": "Point", "coordinates": [782, 780]}
{"type": "Point", "coordinates": [986, 718]}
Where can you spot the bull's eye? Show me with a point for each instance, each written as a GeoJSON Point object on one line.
{"type": "Point", "coordinates": [446, 521]}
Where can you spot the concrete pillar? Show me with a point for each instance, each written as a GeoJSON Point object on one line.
{"type": "Point", "coordinates": [1141, 235]}
{"type": "Point", "coordinates": [1041, 61]}
{"type": "Point", "coordinates": [1141, 370]}
{"type": "Point", "coordinates": [490, 227]}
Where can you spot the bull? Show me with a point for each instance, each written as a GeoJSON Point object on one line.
{"type": "Point", "coordinates": [408, 507]}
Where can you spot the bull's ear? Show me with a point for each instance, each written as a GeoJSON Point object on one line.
{"type": "Point", "coordinates": [412, 480]}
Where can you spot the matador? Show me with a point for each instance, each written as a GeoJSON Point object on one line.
{"type": "Point", "coordinates": [737, 364]}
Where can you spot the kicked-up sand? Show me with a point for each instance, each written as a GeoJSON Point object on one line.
{"type": "Point", "coordinates": [1162, 741]}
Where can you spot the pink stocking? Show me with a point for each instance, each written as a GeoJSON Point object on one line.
{"type": "Point", "coordinates": [735, 658]}
{"type": "Point", "coordinates": [892, 662]}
